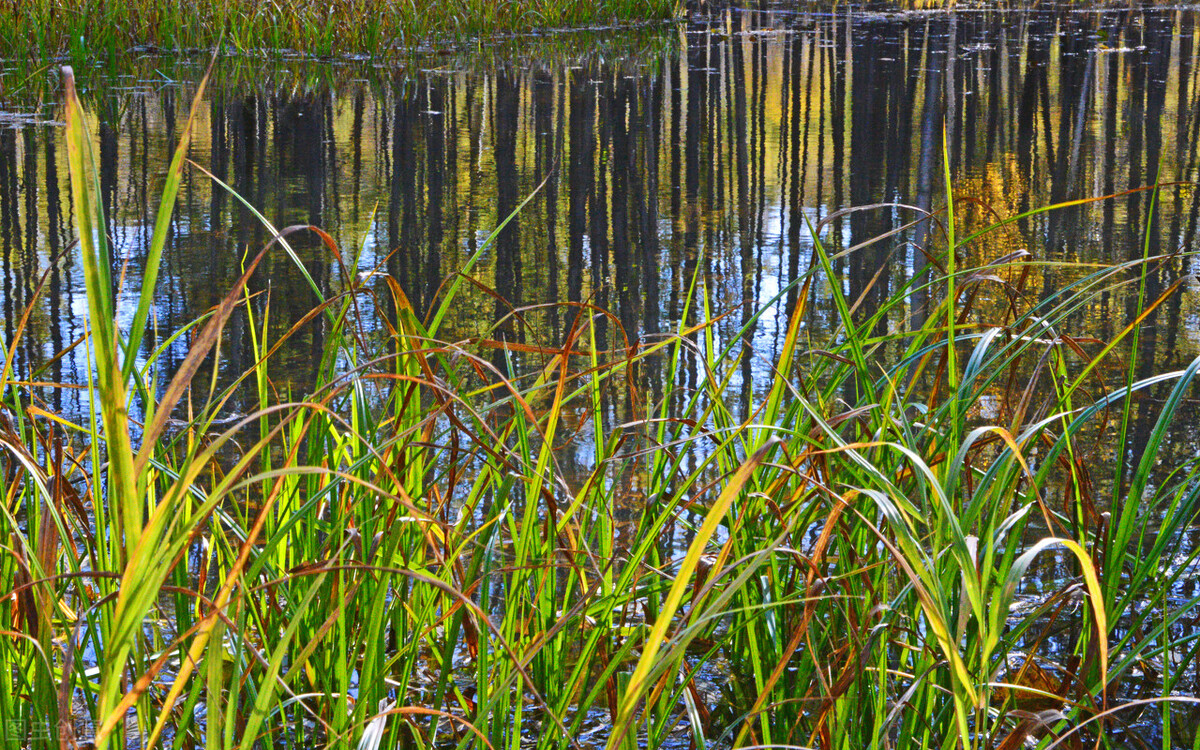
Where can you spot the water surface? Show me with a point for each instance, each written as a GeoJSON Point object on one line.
{"type": "Point", "coordinates": [707, 150]}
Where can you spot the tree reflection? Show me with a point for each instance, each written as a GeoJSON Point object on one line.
{"type": "Point", "coordinates": [708, 161]}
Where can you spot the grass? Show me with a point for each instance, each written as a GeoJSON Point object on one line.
{"type": "Point", "coordinates": [34, 87]}
{"type": "Point", "coordinates": [402, 558]}
{"type": "Point", "coordinates": [103, 29]}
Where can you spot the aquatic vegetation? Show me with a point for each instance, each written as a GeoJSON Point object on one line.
{"type": "Point", "coordinates": [41, 29]}
{"type": "Point", "coordinates": [405, 557]}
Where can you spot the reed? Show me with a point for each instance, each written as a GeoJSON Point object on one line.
{"type": "Point", "coordinates": [104, 30]}
{"type": "Point", "coordinates": [400, 559]}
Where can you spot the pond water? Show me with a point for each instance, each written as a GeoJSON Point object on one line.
{"type": "Point", "coordinates": [711, 147]}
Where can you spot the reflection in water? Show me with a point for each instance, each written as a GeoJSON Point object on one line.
{"type": "Point", "coordinates": [708, 163]}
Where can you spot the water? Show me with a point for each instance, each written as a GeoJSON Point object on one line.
{"type": "Point", "coordinates": [711, 147]}
{"type": "Point", "coordinates": [715, 144]}
{"type": "Point", "coordinates": [707, 150]}
{"type": "Point", "coordinates": [704, 150]}
{"type": "Point", "coordinates": [650, 157]}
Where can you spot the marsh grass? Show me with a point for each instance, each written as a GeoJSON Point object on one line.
{"type": "Point", "coordinates": [401, 559]}
{"type": "Point", "coordinates": [104, 30]}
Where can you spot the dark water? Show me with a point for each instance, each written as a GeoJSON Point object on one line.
{"type": "Point", "coordinates": [706, 148]}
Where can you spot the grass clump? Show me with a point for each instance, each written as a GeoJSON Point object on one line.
{"type": "Point", "coordinates": [42, 29]}
{"type": "Point", "coordinates": [402, 558]}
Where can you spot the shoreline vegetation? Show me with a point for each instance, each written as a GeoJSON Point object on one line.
{"type": "Point", "coordinates": [355, 29]}
{"type": "Point", "coordinates": [33, 89]}
{"type": "Point", "coordinates": [396, 559]}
